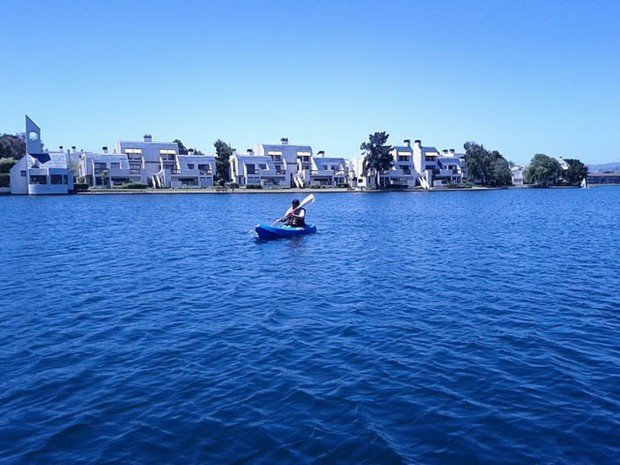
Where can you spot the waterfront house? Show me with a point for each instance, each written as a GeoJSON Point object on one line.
{"type": "Point", "coordinates": [516, 173]}
{"type": "Point", "coordinates": [449, 170]}
{"type": "Point", "coordinates": [403, 172]}
{"type": "Point", "coordinates": [106, 170]}
{"type": "Point", "coordinates": [250, 170]}
{"type": "Point", "coordinates": [425, 162]}
{"type": "Point", "coordinates": [355, 167]}
{"type": "Point", "coordinates": [289, 160]}
{"type": "Point", "coordinates": [193, 171]}
{"type": "Point", "coordinates": [40, 172]}
{"type": "Point", "coordinates": [607, 177]}
{"type": "Point", "coordinates": [154, 162]}
{"type": "Point", "coordinates": [326, 171]}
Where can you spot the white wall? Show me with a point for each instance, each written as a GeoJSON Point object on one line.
{"type": "Point", "coordinates": [19, 183]}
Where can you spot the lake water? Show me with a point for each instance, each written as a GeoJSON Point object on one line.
{"type": "Point", "coordinates": [456, 327]}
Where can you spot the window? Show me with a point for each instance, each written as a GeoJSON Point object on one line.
{"type": "Point", "coordinates": [23, 173]}
{"type": "Point", "coordinates": [115, 166]}
{"type": "Point", "coordinates": [138, 151]}
{"type": "Point", "coordinates": [57, 179]}
{"type": "Point", "coordinates": [101, 166]}
{"type": "Point", "coordinates": [403, 158]}
{"type": "Point", "coordinates": [262, 166]}
{"type": "Point", "coordinates": [167, 152]}
{"type": "Point", "coordinates": [204, 168]}
{"type": "Point", "coordinates": [38, 179]}
{"type": "Point", "coordinates": [251, 169]}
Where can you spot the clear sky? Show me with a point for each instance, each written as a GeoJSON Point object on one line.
{"type": "Point", "coordinates": [521, 77]}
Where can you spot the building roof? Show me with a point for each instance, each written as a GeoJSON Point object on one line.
{"type": "Point", "coordinates": [57, 160]}
{"type": "Point", "coordinates": [150, 150]}
{"type": "Point", "coordinates": [255, 160]}
{"type": "Point", "coordinates": [105, 156]}
{"type": "Point", "coordinates": [446, 160]}
{"type": "Point", "coordinates": [402, 148]}
{"type": "Point", "coordinates": [197, 158]}
{"type": "Point", "coordinates": [426, 150]}
{"type": "Point", "coordinates": [289, 152]}
{"type": "Point", "coordinates": [321, 162]}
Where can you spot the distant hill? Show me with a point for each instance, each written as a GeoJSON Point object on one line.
{"type": "Point", "coordinates": [614, 166]}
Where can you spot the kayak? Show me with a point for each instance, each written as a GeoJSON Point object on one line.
{"type": "Point", "coordinates": [267, 231]}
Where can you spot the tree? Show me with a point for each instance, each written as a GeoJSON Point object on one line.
{"type": "Point", "coordinates": [542, 169]}
{"type": "Point", "coordinates": [12, 146]}
{"type": "Point", "coordinates": [182, 148]}
{"type": "Point", "coordinates": [488, 168]}
{"type": "Point", "coordinates": [576, 171]}
{"type": "Point", "coordinates": [377, 156]}
{"type": "Point", "coordinates": [223, 151]}
{"type": "Point", "coordinates": [500, 172]}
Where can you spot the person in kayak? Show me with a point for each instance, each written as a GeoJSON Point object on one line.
{"type": "Point", "coordinates": [297, 217]}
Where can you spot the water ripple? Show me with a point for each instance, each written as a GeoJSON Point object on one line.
{"type": "Point", "coordinates": [476, 327]}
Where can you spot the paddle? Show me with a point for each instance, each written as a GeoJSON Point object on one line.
{"type": "Point", "coordinates": [308, 200]}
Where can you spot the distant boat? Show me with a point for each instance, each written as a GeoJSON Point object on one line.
{"type": "Point", "coordinates": [584, 183]}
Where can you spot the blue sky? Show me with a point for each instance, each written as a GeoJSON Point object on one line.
{"type": "Point", "coordinates": [521, 77]}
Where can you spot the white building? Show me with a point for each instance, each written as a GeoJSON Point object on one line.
{"type": "Point", "coordinates": [424, 162]}
{"type": "Point", "coordinates": [449, 170]}
{"type": "Point", "coordinates": [256, 170]}
{"type": "Point", "coordinates": [106, 170]}
{"type": "Point", "coordinates": [355, 168]}
{"type": "Point", "coordinates": [39, 172]}
{"type": "Point", "coordinates": [326, 171]}
{"type": "Point", "coordinates": [159, 164]}
{"type": "Point", "coordinates": [289, 160]}
{"type": "Point", "coordinates": [516, 173]}
{"type": "Point", "coordinates": [193, 171]}
{"type": "Point", "coordinates": [154, 162]}
{"type": "Point", "coordinates": [403, 171]}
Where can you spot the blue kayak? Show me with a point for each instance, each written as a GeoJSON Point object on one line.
{"type": "Point", "coordinates": [267, 231]}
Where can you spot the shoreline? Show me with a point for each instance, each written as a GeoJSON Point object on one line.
{"type": "Point", "coordinates": [211, 191]}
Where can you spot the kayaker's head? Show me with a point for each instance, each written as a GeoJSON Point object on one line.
{"type": "Point", "coordinates": [295, 203]}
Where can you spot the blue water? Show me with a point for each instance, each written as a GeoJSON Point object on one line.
{"type": "Point", "coordinates": [457, 327]}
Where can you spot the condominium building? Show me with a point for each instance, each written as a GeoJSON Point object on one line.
{"type": "Point", "coordinates": [153, 161]}
{"type": "Point", "coordinates": [449, 170]}
{"type": "Point", "coordinates": [106, 170]}
{"type": "Point", "coordinates": [250, 170]}
{"type": "Point", "coordinates": [289, 160]}
{"type": "Point", "coordinates": [516, 173]}
{"type": "Point", "coordinates": [159, 164]}
{"type": "Point", "coordinates": [193, 171]}
{"type": "Point", "coordinates": [425, 162]}
{"type": "Point", "coordinates": [326, 171]}
{"type": "Point", "coordinates": [403, 171]}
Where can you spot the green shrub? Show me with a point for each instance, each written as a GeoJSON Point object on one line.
{"type": "Point", "coordinates": [232, 185]}
{"type": "Point", "coordinates": [80, 186]}
{"type": "Point", "coordinates": [134, 185]}
{"type": "Point", "coordinates": [5, 180]}
{"type": "Point", "coordinates": [254, 186]}
{"type": "Point", "coordinates": [6, 164]}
